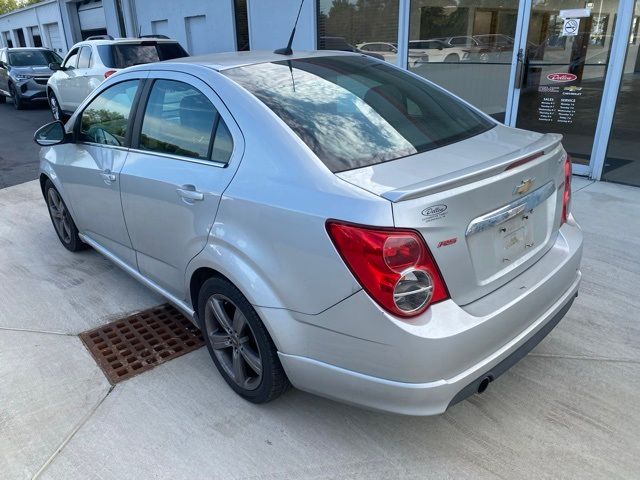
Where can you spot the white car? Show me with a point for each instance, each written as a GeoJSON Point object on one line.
{"type": "Point", "coordinates": [389, 52]}
{"type": "Point", "coordinates": [90, 62]}
{"type": "Point", "coordinates": [436, 50]}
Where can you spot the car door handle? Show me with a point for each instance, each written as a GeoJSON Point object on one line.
{"type": "Point", "coordinates": [108, 177]}
{"type": "Point", "coordinates": [189, 192]}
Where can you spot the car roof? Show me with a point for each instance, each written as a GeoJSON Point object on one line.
{"type": "Point", "coordinates": [225, 61]}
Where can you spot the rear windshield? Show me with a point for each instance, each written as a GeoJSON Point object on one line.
{"type": "Point", "coordinates": [33, 58]}
{"type": "Point", "coordinates": [125, 55]}
{"type": "Point", "coordinates": [354, 111]}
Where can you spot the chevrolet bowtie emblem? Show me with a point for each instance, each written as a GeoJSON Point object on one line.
{"type": "Point", "coordinates": [524, 186]}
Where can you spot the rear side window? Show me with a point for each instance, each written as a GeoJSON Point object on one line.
{"type": "Point", "coordinates": [106, 120]}
{"type": "Point", "coordinates": [353, 111]}
{"type": "Point", "coordinates": [84, 60]}
{"type": "Point", "coordinates": [124, 55]}
{"type": "Point", "coordinates": [181, 120]}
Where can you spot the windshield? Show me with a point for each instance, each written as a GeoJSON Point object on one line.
{"type": "Point", "coordinates": [125, 55]}
{"type": "Point", "coordinates": [33, 58]}
{"type": "Point", "coordinates": [353, 111]}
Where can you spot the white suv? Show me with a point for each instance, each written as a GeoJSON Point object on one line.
{"type": "Point", "coordinates": [90, 62]}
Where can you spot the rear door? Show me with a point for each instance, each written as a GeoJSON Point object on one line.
{"type": "Point", "coordinates": [187, 148]}
{"type": "Point", "coordinates": [86, 82]}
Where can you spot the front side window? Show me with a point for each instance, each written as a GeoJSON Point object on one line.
{"type": "Point", "coordinates": [353, 111]}
{"type": "Point", "coordinates": [72, 59]}
{"type": "Point", "coordinates": [181, 120]}
{"type": "Point", "coordinates": [106, 120]}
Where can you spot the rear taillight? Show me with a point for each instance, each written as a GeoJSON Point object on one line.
{"type": "Point", "coordinates": [394, 266]}
{"type": "Point", "coordinates": [108, 73]}
{"type": "Point", "coordinates": [566, 194]}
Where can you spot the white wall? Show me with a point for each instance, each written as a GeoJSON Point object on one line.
{"type": "Point", "coordinates": [271, 21]}
{"type": "Point", "coordinates": [217, 34]}
{"type": "Point", "coordinates": [38, 15]}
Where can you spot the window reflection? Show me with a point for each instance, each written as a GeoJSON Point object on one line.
{"type": "Point", "coordinates": [178, 120]}
{"type": "Point", "coordinates": [354, 112]}
{"type": "Point", "coordinates": [106, 119]}
{"type": "Point", "coordinates": [367, 26]}
{"type": "Point", "coordinates": [466, 47]}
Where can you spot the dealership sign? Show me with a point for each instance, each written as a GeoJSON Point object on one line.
{"type": "Point", "coordinates": [562, 77]}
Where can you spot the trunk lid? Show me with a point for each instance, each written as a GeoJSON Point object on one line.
{"type": "Point", "coordinates": [488, 207]}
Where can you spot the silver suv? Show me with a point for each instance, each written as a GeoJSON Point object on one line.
{"type": "Point", "coordinates": [24, 73]}
{"type": "Point", "coordinates": [326, 219]}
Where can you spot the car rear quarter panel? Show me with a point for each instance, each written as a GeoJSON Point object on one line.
{"type": "Point", "coordinates": [269, 236]}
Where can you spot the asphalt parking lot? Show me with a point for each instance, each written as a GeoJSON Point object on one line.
{"type": "Point", "coordinates": [568, 410]}
{"type": "Point", "coordinates": [17, 149]}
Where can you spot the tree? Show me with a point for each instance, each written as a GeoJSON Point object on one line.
{"type": "Point", "coordinates": [7, 6]}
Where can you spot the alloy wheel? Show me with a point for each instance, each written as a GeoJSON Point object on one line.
{"type": "Point", "coordinates": [233, 342]}
{"type": "Point", "coordinates": [55, 109]}
{"type": "Point", "coordinates": [59, 215]}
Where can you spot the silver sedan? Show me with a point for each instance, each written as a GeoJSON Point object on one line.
{"type": "Point", "coordinates": [328, 220]}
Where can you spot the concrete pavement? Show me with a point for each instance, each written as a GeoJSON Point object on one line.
{"type": "Point", "coordinates": [568, 410]}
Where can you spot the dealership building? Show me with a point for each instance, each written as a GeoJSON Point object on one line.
{"type": "Point", "coordinates": [562, 66]}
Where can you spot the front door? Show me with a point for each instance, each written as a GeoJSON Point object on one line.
{"type": "Point", "coordinates": [91, 167]}
{"type": "Point", "coordinates": [185, 151]}
{"type": "Point", "coordinates": [564, 57]}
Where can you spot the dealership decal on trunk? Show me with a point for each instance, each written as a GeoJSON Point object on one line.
{"type": "Point", "coordinates": [434, 212]}
{"type": "Point", "coordinates": [562, 77]}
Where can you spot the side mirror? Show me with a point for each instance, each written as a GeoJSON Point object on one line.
{"type": "Point", "coordinates": [55, 67]}
{"type": "Point", "coordinates": [51, 134]}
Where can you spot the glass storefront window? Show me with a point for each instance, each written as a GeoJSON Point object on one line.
{"type": "Point", "coordinates": [367, 26]}
{"type": "Point", "coordinates": [622, 162]}
{"type": "Point", "coordinates": [466, 47]}
{"type": "Point", "coordinates": [565, 70]}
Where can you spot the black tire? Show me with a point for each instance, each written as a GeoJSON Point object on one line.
{"type": "Point", "coordinates": [452, 58]}
{"type": "Point", "coordinates": [56, 109]}
{"type": "Point", "coordinates": [61, 219]}
{"type": "Point", "coordinates": [18, 103]}
{"type": "Point", "coordinates": [272, 381]}
{"type": "Point", "coordinates": [3, 99]}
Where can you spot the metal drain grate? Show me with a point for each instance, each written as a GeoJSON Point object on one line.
{"type": "Point", "coordinates": [131, 345]}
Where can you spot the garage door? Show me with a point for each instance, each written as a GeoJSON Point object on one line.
{"type": "Point", "coordinates": [91, 16]}
{"type": "Point", "coordinates": [53, 34]}
{"type": "Point", "coordinates": [198, 37]}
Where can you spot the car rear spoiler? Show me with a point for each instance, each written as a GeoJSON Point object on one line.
{"type": "Point", "coordinates": [542, 146]}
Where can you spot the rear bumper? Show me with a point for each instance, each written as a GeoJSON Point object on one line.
{"type": "Point", "coordinates": [358, 354]}
{"type": "Point", "coordinates": [430, 398]}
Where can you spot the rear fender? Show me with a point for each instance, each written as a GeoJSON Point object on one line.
{"type": "Point", "coordinates": [239, 270]}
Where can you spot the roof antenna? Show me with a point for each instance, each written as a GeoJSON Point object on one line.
{"type": "Point", "coordinates": [287, 50]}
